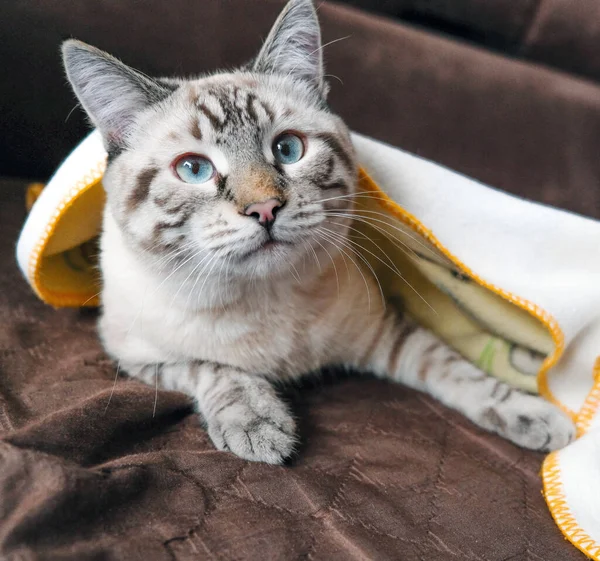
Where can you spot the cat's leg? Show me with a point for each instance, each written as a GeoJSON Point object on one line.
{"type": "Point", "coordinates": [243, 413]}
{"type": "Point", "coordinates": [414, 356]}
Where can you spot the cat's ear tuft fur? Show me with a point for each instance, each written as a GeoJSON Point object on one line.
{"type": "Point", "coordinates": [111, 93]}
{"type": "Point", "coordinates": [293, 46]}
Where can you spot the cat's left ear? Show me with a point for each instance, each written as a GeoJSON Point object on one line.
{"type": "Point", "coordinates": [293, 47]}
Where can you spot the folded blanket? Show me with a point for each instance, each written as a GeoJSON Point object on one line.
{"type": "Point", "coordinates": [511, 285]}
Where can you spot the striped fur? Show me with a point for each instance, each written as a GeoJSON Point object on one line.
{"type": "Point", "coordinates": [196, 299]}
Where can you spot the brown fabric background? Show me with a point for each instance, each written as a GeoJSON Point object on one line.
{"type": "Point", "coordinates": [383, 472]}
{"type": "Point", "coordinates": [557, 33]}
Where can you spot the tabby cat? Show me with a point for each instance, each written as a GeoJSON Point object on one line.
{"type": "Point", "coordinates": [226, 256]}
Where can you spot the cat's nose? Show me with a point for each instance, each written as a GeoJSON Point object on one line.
{"type": "Point", "coordinates": [264, 211]}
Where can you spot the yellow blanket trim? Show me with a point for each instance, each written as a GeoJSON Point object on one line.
{"type": "Point", "coordinates": [557, 502]}
{"type": "Point", "coordinates": [54, 298]}
{"type": "Point", "coordinates": [544, 317]}
{"type": "Point", "coordinates": [591, 403]}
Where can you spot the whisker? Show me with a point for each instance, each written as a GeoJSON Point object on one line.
{"type": "Point", "coordinates": [206, 277]}
{"type": "Point", "coordinates": [343, 257]}
{"type": "Point", "coordinates": [155, 390]}
{"type": "Point", "coordinates": [407, 250]}
{"type": "Point", "coordinates": [172, 255]}
{"type": "Point", "coordinates": [193, 256]}
{"type": "Point", "coordinates": [376, 196]}
{"type": "Point", "coordinates": [227, 294]}
{"type": "Point", "coordinates": [337, 279]}
{"type": "Point", "coordinates": [291, 71]}
{"type": "Point", "coordinates": [71, 112]}
{"type": "Point", "coordinates": [219, 284]}
{"type": "Point", "coordinates": [348, 244]}
{"type": "Point", "coordinates": [90, 298]}
{"type": "Point", "coordinates": [367, 218]}
{"type": "Point", "coordinates": [363, 236]}
{"type": "Point", "coordinates": [296, 275]}
{"type": "Point", "coordinates": [196, 267]}
{"type": "Point", "coordinates": [316, 258]}
{"type": "Point", "coordinates": [198, 277]}
{"type": "Point", "coordinates": [332, 240]}
{"type": "Point", "coordinates": [330, 43]}
{"type": "Point", "coordinates": [112, 391]}
{"type": "Point", "coordinates": [352, 196]}
{"type": "Point", "coordinates": [336, 77]}
{"type": "Point", "coordinates": [395, 270]}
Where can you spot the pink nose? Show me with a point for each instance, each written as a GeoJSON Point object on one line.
{"type": "Point", "coordinates": [264, 212]}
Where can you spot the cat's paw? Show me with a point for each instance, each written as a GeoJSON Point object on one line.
{"type": "Point", "coordinates": [531, 422]}
{"type": "Point", "coordinates": [256, 435]}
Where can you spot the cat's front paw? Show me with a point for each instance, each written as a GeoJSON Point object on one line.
{"type": "Point", "coordinates": [258, 436]}
{"type": "Point", "coordinates": [531, 422]}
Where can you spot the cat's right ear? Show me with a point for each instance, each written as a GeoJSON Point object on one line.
{"type": "Point", "coordinates": [111, 93]}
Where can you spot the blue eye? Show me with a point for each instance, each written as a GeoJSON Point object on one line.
{"type": "Point", "coordinates": [288, 148]}
{"type": "Point", "coordinates": [194, 169]}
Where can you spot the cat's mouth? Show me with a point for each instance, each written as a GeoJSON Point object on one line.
{"type": "Point", "coordinates": [267, 246]}
{"type": "Point", "coordinates": [270, 244]}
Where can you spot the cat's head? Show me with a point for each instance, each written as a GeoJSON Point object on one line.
{"type": "Point", "coordinates": [247, 171]}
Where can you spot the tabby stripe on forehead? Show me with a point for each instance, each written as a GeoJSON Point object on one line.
{"type": "Point", "coordinates": [250, 107]}
{"type": "Point", "coordinates": [195, 129]}
{"type": "Point", "coordinates": [142, 188]}
{"type": "Point", "coordinates": [214, 120]}
{"type": "Point", "coordinates": [336, 147]}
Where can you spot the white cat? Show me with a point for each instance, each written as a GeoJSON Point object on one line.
{"type": "Point", "coordinates": [225, 254]}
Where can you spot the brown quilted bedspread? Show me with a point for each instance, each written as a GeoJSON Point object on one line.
{"type": "Point", "coordinates": [382, 473]}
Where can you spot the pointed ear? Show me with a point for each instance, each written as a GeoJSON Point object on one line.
{"type": "Point", "coordinates": [111, 93]}
{"type": "Point", "coordinates": [293, 47]}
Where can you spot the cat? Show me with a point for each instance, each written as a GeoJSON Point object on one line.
{"type": "Point", "coordinates": [229, 201]}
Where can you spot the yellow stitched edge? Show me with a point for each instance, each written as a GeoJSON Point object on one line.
{"type": "Point", "coordinates": [547, 320]}
{"type": "Point", "coordinates": [54, 298]}
{"type": "Point", "coordinates": [557, 502]}
{"type": "Point", "coordinates": [591, 403]}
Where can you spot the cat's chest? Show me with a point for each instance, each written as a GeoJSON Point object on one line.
{"type": "Point", "coordinates": [255, 340]}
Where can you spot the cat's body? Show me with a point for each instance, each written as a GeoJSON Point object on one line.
{"type": "Point", "coordinates": [225, 253]}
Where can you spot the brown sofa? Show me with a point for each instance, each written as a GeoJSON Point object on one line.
{"type": "Point", "coordinates": [505, 93]}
